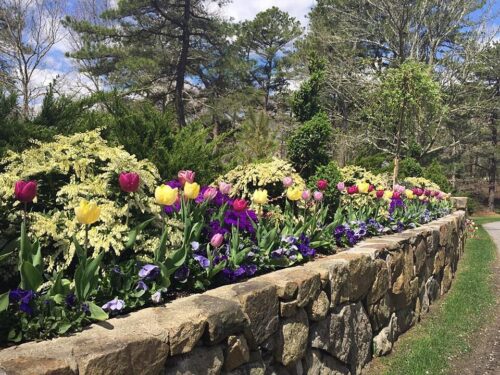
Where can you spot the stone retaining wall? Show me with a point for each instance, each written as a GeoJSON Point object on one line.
{"type": "Point", "coordinates": [330, 316]}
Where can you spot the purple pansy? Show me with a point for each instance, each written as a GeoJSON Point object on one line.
{"type": "Point", "coordinates": [141, 285]}
{"type": "Point", "coordinates": [24, 297]}
{"type": "Point", "coordinates": [182, 273]}
{"type": "Point", "coordinates": [114, 305]}
{"type": "Point", "coordinates": [149, 272]}
{"type": "Point", "coordinates": [203, 261]}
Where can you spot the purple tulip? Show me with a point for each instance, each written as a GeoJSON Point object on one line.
{"type": "Point", "coordinates": [149, 271]}
{"type": "Point", "coordinates": [129, 181]}
{"type": "Point", "coordinates": [25, 191]}
{"type": "Point", "coordinates": [114, 305]}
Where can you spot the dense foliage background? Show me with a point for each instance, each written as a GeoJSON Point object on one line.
{"type": "Point", "coordinates": [409, 86]}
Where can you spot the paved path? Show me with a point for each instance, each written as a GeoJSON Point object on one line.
{"type": "Point", "coordinates": [484, 359]}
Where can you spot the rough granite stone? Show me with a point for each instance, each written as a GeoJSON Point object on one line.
{"type": "Point", "coordinates": [200, 361]}
{"type": "Point", "coordinates": [292, 339]}
{"type": "Point", "coordinates": [317, 362]}
{"type": "Point", "coordinates": [381, 283]}
{"type": "Point", "coordinates": [383, 342]}
{"type": "Point", "coordinates": [237, 352]}
{"type": "Point", "coordinates": [317, 309]}
{"type": "Point", "coordinates": [346, 334]}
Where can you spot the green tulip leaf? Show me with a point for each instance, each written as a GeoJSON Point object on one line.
{"type": "Point", "coordinates": [4, 257]}
{"type": "Point", "coordinates": [96, 312]}
{"type": "Point", "coordinates": [159, 254]}
{"type": "Point", "coordinates": [4, 301]}
{"type": "Point", "coordinates": [31, 278]}
{"type": "Point", "coordinates": [132, 236]}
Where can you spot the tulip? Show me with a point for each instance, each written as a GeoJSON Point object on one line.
{"type": "Point", "coordinates": [363, 187]}
{"type": "Point", "coordinates": [217, 240]}
{"type": "Point", "coordinates": [388, 194]}
{"type": "Point", "coordinates": [191, 190]}
{"type": "Point", "coordinates": [409, 194]}
{"type": "Point", "coordinates": [340, 186]}
{"type": "Point", "coordinates": [25, 191]}
{"type": "Point", "coordinates": [287, 182]}
{"type": "Point", "coordinates": [209, 194]}
{"type": "Point", "coordinates": [379, 193]}
{"type": "Point", "coordinates": [352, 190]}
{"type": "Point", "coordinates": [186, 176]}
{"type": "Point", "coordinates": [396, 195]}
{"type": "Point", "coordinates": [240, 205]}
{"type": "Point", "coordinates": [322, 185]}
{"type": "Point", "coordinates": [318, 196]}
{"type": "Point", "coordinates": [129, 182]}
{"type": "Point", "coordinates": [260, 197]}
{"type": "Point", "coordinates": [87, 212]}
{"type": "Point", "coordinates": [306, 195]}
{"type": "Point", "coordinates": [224, 188]}
{"type": "Point", "coordinates": [165, 195]}
{"type": "Point", "coordinates": [371, 188]}
{"type": "Point", "coordinates": [427, 192]}
{"type": "Point", "coordinates": [294, 194]}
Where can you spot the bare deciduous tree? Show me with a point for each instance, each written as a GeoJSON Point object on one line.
{"type": "Point", "coordinates": [30, 29]}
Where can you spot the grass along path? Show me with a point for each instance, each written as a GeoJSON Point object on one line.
{"type": "Point", "coordinates": [445, 333]}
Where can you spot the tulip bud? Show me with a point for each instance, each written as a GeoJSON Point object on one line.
{"type": "Point", "coordinates": [224, 188]}
{"type": "Point", "coordinates": [322, 185]}
{"type": "Point", "coordinates": [186, 176]}
{"type": "Point", "coordinates": [87, 212]}
{"type": "Point", "coordinates": [240, 205]}
{"type": "Point", "coordinates": [209, 194]}
{"type": "Point", "coordinates": [318, 196]}
{"type": "Point", "coordinates": [191, 190]}
{"type": "Point", "coordinates": [129, 182]}
{"type": "Point", "coordinates": [25, 191]}
{"type": "Point", "coordinates": [165, 195]}
{"type": "Point", "coordinates": [260, 197]}
{"type": "Point", "coordinates": [306, 195]}
{"type": "Point", "coordinates": [217, 240]}
{"type": "Point", "coordinates": [287, 182]}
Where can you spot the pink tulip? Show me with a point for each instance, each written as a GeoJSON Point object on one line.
{"type": "Point", "coordinates": [186, 176]}
{"type": "Point", "coordinates": [340, 186]}
{"type": "Point", "coordinates": [371, 188]}
{"type": "Point", "coordinates": [318, 196]}
{"type": "Point", "coordinates": [287, 182]}
{"type": "Point", "coordinates": [322, 184]}
{"type": "Point", "coordinates": [427, 192]}
{"type": "Point", "coordinates": [306, 195]}
{"type": "Point", "coordinates": [129, 181]}
{"type": "Point", "coordinates": [217, 240]}
{"type": "Point", "coordinates": [225, 188]}
{"type": "Point", "coordinates": [396, 195]}
{"type": "Point", "coordinates": [25, 191]}
{"type": "Point", "coordinates": [209, 194]}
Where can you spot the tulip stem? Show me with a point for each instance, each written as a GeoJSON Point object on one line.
{"type": "Point", "coordinates": [86, 243]}
{"type": "Point", "coordinates": [25, 214]}
{"type": "Point", "coordinates": [128, 211]}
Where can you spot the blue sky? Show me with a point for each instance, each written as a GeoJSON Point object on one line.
{"type": "Point", "coordinates": [58, 65]}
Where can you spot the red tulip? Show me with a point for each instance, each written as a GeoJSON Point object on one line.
{"type": "Point", "coordinates": [352, 190]}
{"type": "Point", "coordinates": [379, 193]}
{"type": "Point", "coordinates": [371, 188]}
{"type": "Point", "coordinates": [322, 184]}
{"type": "Point", "coordinates": [427, 193]}
{"type": "Point", "coordinates": [240, 205]}
{"type": "Point", "coordinates": [396, 195]}
{"type": "Point", "coordinates": [25, 191]}
{"type": "Point", "coordinates": [129, 181]}
{"type": "Point", "coordinates": [417, 191]}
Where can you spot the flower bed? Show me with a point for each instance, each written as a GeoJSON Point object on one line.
{"type": "Point", "coordinates": [208, 236]}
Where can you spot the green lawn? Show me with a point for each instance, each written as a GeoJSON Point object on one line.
{"type": "Point", "coordinates": [443, 333]}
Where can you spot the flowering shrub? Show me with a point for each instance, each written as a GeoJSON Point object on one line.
{"type": "Point", "coordinates": [246, 179]}
{"type": "Point", "coordinates": [207, 236]}
{"type": "Point", "coordinates": [67, 170]}
{"type": "Point", "coordinates": [353, 176]}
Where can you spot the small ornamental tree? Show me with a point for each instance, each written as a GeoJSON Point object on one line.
{"type": "Point", "coordinates": [307, 147]}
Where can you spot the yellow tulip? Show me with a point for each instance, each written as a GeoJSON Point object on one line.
{"type": "Point", "coordinates": [294, 194]}
{"type": "Point", "coordinates": [87, 212]}
{"type": "Point", "coordinates": [165, 195]}
{"type": "Point", "coordinates": [363, 187]}
{"type": "Point", "coordinates": [191, 190]}
{"type": "Point", "coordinates": [409, 194]}
{"type": "Point", "coordinates": [260, 197]}
{"type": "Point", "coordinates": [387, 194]}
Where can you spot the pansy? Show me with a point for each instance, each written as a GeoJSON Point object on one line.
{"type": "Point", "coordinates": [114, 305]}
{"type": "Point", "coordinates": [149, 271]}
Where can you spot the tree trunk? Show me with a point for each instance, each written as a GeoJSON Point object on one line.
{"type": "Point", "coordinates": [181, 66]}
{"type": "Point", "coordinates": [492, 166]}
